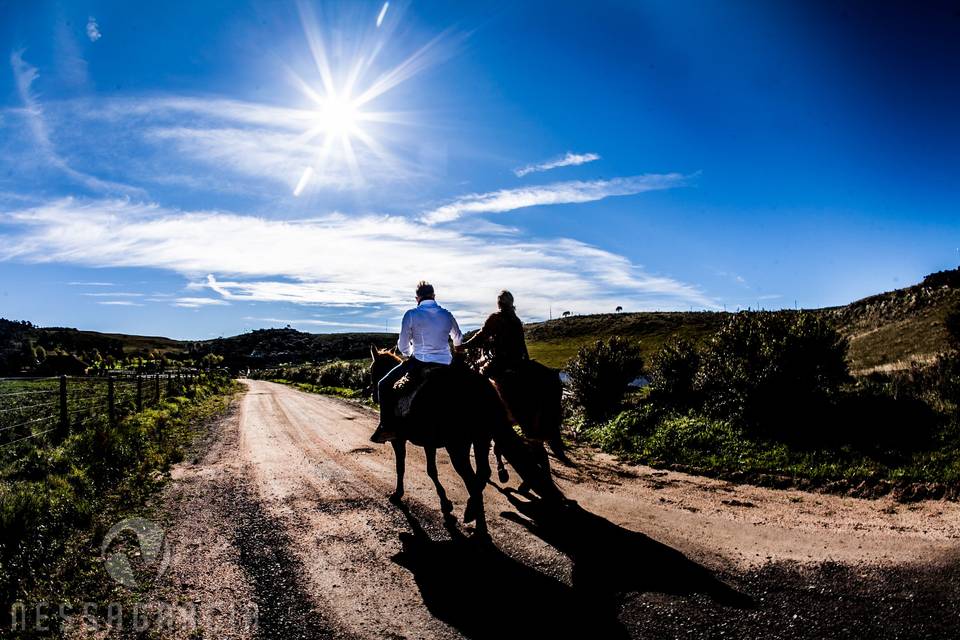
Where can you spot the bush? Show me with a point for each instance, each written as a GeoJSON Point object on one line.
{"type": "Point", "coordinates": [348, 375]}
{"type": "Point", "coordinates": [772, 372]}
{"type": "Point", "coordinates": [623, 434]}
{"type": "Point", "coordinates": [672, 373]}
{"type": "Point", "coordinates": [600, 375]}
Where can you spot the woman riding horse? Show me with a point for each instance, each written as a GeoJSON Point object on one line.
{"type": "Point", "coordinates": [532, 392]}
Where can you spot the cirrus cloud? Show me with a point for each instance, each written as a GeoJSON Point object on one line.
{"type": "Point", "coordinates": [314, 261]}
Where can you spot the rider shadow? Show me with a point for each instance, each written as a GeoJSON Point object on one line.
{"type": "Point", "coordinates": [609, 560]}
{"type": "Point", "coordinates": [484, 593]}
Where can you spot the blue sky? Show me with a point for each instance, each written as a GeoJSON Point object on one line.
{"type": "Point", "coordinates": [200, 169]}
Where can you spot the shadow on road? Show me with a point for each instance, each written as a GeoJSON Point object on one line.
{"type": "Point", "coordinates": [609, 560]}
{"type": "Point", "coordinates": [484, 593]}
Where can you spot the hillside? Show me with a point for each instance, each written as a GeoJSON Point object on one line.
{"type": "Point", "coordinates": [267, 347]}
{"type": "Point", "coordinates": [886, 331]}
{"type": "Point", "coordinates": [555, 341]}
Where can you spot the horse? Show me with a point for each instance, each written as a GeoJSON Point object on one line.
{"type": "Point", "coordinates": [456, 409]}
{"type": "Point", "coordinates": [533, 396]}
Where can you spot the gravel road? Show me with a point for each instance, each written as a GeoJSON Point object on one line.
{"type": "Point", "coordinates": [284, 511]}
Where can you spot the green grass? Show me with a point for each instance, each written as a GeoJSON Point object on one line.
{"type": "Point", "coordinates": [57, 499]}
{"type": "Point", "coordinates": [718, 447]}
{"type": "Point", "coordinates": [556, 341]}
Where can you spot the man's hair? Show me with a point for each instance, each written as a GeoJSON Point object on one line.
{"type": "Point", "coordinates": [425, 290]}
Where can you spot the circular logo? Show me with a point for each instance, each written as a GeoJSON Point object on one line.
{"type": "Point", "coordinates": [153, 552]}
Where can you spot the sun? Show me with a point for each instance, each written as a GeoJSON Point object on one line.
{"type": "Point", "coordinates": [338, 116]}
{"type": "Point", "coordinates": [343, 126]}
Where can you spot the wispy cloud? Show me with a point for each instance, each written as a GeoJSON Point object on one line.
{"type": "Point", "coordinates": [90, 284]}
{"type": "Point", "coordinates": [114, 294]}
{"type": "Point", "coordinates": [119, 303]}
{"type": "Point", "coordinates": [555, 193]}
{"type": "Point", "coordinates": [24, 76]}
{"type": "Point", "coordinates": [93, 29]}
{"type": "Point", "coordinates": [315, 261]}
{"type": "Point", "coordinates": [568, 160]}
{"type": "Point", "coordinates": [194, 303]}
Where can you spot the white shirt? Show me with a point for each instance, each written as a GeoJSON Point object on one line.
{"type": "Point", "coordinates": [424, 332]}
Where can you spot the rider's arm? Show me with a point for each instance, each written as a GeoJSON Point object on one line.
{"type": "Point", "coordinates": [455, 334]}
{"type": "Point", "coordinates": [405, 342]}
{"type": "Point", "coordinates": [480, 337]}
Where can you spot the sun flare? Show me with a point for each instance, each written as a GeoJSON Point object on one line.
{"type": "Point", "coordinates": [344, 128]}
{"type": "Point", "coordinates": [338, 116]}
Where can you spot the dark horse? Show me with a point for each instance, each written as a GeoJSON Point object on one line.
{"type": "Point", "coordinates": [533, 394]}
{"type": "Point", "coordinates": [457, 409]}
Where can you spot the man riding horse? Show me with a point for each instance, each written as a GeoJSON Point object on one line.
{"type": "Point", "coordinates": [424, 333]}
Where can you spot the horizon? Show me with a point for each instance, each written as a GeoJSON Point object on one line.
{"type": "Point", "coordinates": [197, 171]}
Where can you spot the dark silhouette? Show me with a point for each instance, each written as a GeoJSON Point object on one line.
{"type": "Point", "coordinates": [493, 595]}
{"type": "Point", "coordinates": [609, 560]}
{"type": "Point", "coordinates": [531, 392]}
{"type": "Point", "coordinates": [484, 593]}
{"type": "Point", "coordinates": [456, 409]}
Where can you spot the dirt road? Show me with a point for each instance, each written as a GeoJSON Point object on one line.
{"type": "Point", "coordinates": [286, 508]}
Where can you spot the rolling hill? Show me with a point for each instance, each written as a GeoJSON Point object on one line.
{"type": "Point", "coordinates": [886, 331]}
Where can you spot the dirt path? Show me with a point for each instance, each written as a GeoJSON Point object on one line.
{"type": "Point", "coordinates": [287, 509]}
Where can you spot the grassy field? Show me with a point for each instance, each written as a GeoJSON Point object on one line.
{"type": "Point", "coordinates": [60, 491]}
{"type": "Point", "coordinates": [556, 341]}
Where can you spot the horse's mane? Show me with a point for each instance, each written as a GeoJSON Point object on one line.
{"type": "Point", "coordinates": [389, 354]}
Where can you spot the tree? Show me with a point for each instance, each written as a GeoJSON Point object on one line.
{"type": "Point", "coordinates": [566, 314]}
{"type": "Point", "coordinates": [619, 309]}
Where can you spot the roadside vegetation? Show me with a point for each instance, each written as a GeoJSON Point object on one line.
{"type": "Point", "coordinates": [770, 396]}
{"type": "Point", "coordinates": [342, 378]}
{"type": "Point", "coordinates": [59, 495]}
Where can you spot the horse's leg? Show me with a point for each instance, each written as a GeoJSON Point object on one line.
{"type": "Point", "coordinates": [502, 474]}
{"type": "Point", "coordinates": [460, 459]}
{"type": "Point", "coordinates": [541, 461]}
{"type": "Point", "coordinates": [446, 507]}
{"type": "Point", "coordinates": [400, 453]}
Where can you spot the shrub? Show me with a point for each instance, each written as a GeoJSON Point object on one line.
{"type": "Point", "coordinates": [673, 370]}
{"type": "Point", "coordinates": [348, 375]}
{"type": "Point", "coordinates": [600, 375]}
{"type": "Point", "coordinates": [771, 372]}
{"type": "Point", "coordinates": [623, 433]}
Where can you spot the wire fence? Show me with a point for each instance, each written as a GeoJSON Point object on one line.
{"type": "Point", "coordinates": [51, 408]}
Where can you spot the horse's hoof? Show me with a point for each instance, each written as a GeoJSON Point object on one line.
{"type": "Point", "coordinates": [446, 507]}
{"type": "Point", "coordinates": [481, 535]}
{"type": "Point", "coordinates": [396, 498]}
{"type": "Point", "coordinates": [471, 512]}
{"type": "Point", "coordinates": [502, 475]}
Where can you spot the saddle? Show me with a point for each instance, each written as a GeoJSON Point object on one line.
{"type": "Point", "coordinates": [408, 386]}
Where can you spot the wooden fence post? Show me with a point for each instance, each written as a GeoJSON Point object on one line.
{"type": "Point", "coordinates": [64, 416]}
{"type": "Point", "coordinates": [139, 393]}
{"type": "Point", "coordinates": [156, 389]}
{"type": "Point", "coordinates": [111, 401]}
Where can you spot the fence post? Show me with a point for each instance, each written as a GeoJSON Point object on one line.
{"type": "Point", "coordinates": [139, 393]}
{"type": "Point", "coordinates": [110, 401]}
{"type": "Point", "coordinates": [156, 389]}
{"type": "Point", "coordinates": [64, 416]}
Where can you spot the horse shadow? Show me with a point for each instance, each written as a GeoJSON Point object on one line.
{"type": "Point", "coordinates": [609, 560]}
{"type": "Point", "coordinates": [484, 593]}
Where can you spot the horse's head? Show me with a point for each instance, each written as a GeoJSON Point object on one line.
{"type": "Point", "coordinates": [381, 362]}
